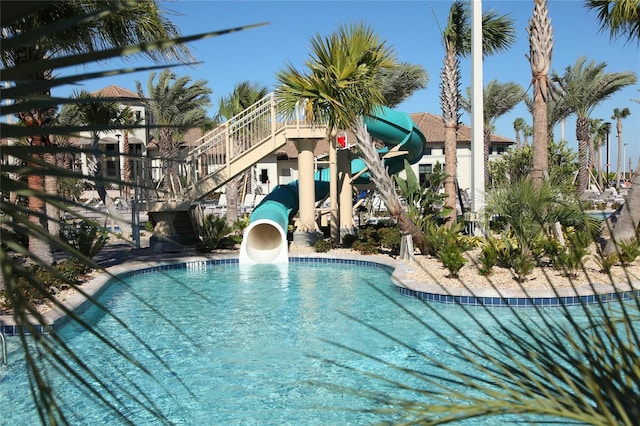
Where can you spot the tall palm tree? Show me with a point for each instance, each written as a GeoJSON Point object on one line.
{"type": "Point", "coordinates": [619, 115]}
{"type": "Point", "coordinates": [498, 33]}
{"type": "Point", "coordinates": [243, 96]}
{"type": "Point", "coordinates": [342, 80]}
{"type": "Point", "coordinates": [498, 99]}
{"type": "Point", "coordinates": [540, 52]}
{"type": "Point", "coordinates": [176, 105]}
{"type": "Point", "coordinates": [129, 23]}
{"type": "Point", "coordinates": [583, 86]}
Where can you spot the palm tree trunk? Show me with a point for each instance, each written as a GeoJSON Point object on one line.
{"type": "Point", "coordinates": [450, 98]}
{"type": "Point", "coordinates": [232, 189]}
{"type": "Point", "coordinates": [382, 181]}
{"type": "Point", "coordinates": [126, 149]}
{"type": "Point", "coordinates": [582, 134]}
{"type": "Point", "coordinates": [487, 150]}
{"type": "Point", "coordinates": [37, 208]}
{"type": "Point", "coordinates": [51, 188]}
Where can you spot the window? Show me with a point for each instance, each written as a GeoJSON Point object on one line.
{"type": "Point", "coordinates": [111, 151]}
{"type": "Point", "coordinates": [424, 170]}
{"type": "Point", "coordinates": [264, 175]}
{"type": "Point", "coordinates": [498, 150]}
{"type": "Point", "coordinates": [426, 150]}
{"type": "Point", "coordinates": [285, 172]}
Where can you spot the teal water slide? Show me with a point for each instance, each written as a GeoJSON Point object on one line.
{"type": "Point", "coordinates": [265, 239]}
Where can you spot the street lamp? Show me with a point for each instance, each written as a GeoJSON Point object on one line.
{"type": "Point", "coordinates": [608, 129]}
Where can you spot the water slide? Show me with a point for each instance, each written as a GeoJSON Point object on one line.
{"type": "Point", "coordinates": [265, 239]}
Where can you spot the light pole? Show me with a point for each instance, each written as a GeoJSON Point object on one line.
{"type": "Point", "coordinates": [608, 128]}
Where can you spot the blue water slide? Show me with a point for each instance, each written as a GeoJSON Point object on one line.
{"type": "Point", "coordinates": [265, 239]}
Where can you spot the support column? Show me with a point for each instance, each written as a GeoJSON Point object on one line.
{"type": "Point", "coordinates": [307, 232]}
{"type": "Point", "coordinates": [334, 224]}
{"type": "Point", "coordinates": [346, 193]}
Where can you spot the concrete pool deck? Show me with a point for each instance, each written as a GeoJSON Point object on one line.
{"type": "Point", "coordinates": [119, 258]}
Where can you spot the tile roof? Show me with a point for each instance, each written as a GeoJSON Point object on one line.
{"type": "Point", "coordinates": [114, 91]}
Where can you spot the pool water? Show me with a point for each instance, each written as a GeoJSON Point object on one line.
{"type": "Point", "coordinates": [250, 345]}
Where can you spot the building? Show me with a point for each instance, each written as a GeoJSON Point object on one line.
{"type": "Point", "coordinates": [280, 167]}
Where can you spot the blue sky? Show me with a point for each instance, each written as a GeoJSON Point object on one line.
{"type": "Point", "coordinates": [412, 29]}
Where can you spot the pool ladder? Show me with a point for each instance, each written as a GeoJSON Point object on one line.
{"type": "Point", "coordinates": [4, 349]}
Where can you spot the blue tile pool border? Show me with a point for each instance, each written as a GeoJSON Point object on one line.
{"type": "Point", "coordinates": [464, 300]}
{"type": "Point", "coordinates": [518, 302]}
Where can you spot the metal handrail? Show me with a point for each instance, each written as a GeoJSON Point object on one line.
{"type": "Point", "coordinates": [4, 349]}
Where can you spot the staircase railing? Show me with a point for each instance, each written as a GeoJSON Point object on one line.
{"type": "Point", "coordinates": [256, 125]}
{"type": "Point", "coordinates": [218, 148]}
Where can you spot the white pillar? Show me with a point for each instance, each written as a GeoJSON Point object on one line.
{"type": "Point", "coordinates": [306, 185]}
{"type": "Point", "coordinates": [346, 193]}
{"type": "Point", "coordinates": [334, 225]}
{"type": "Point", "coordinates": [477, 111]}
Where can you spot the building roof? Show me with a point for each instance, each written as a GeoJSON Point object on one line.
{"type": "Point", "coordinates": [114, 91]}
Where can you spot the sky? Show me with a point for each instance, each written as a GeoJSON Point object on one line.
{"type": "Point", "coordinates": [413, 29]}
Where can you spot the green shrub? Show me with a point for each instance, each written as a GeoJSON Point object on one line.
{"type": "Point", "coordinates": [521, 262]}
{"type": "Point", "coordinates": [390, 238]}
{"type": "Point", "coordinates": [369, 246]}
{"type": "Point", "coordinates": [214, 230]}
{"type": "Point", "coordinates": [488, 257]}
{"type": "Point", "coordinates": [448, 241]}
{"type": "Point", "coordinates": [628, 252]}
{"type": "Point", "coordinates": [323, 246]}
{"type": "Point", "coordinates": [348, 240]}
{"type": "Point", "coordinates": [84, 235]}
{"type": "Point", "coordinates": [606, 262]}
{"type": "Point", "coordinates": [451, 257]}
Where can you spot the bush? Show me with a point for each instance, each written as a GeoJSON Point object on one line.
{"type": "Point", "coordinates": [323, 246]}
{"type": "Point", "coordinates": [628, 252]}
{"type": "Point", "coordinates": [488, 257]}
{"type": "Point", "coordinates": [390, 238]}
{"type": "Point", "coordinates": [84, 235]}
{"type": "Point", "coordinates": [369, 246]}
{"type": "Point", "coordinates": [348, 240]}
{"type": "Point", "coordinates": [213, 232]}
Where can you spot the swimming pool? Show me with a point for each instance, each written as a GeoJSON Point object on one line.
{"type": "Point", "coordinates": [232, 344]}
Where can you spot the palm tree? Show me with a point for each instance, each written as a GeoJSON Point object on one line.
{"type": "Point", "coordinates": [518, 126]}
{"type": "Point", "coordinates": [342, 83]}
{"type": "Point", "coordinates": [93, 110]}
{"type": "Point", "coordinates": [176, 106]}
{"type": "Point", "coordinates": [132, 23]}
{"type": "Point", "coordinates": [583, 86]}
{"type": "Point", "coordinates": [597, 135]}
{"type": "Point", "coordinates": [399, 82]}
{"type": "Point", "coordinates": [540, 51]}
{"type": "Point", "coordinates": [619, 115]}
{"type": "Point", "coordinates": [27, 28]}
{"type": "Point", "coordinates": [498, 99]}
{"type": "Point", "coordinates": [621, 17]}
{"type": "Point", "coordinates": [243, 96]}
{"type": "Point", "coordinates": [498, 34]}
{"type": "Point", "coordinates": [128, 119]}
